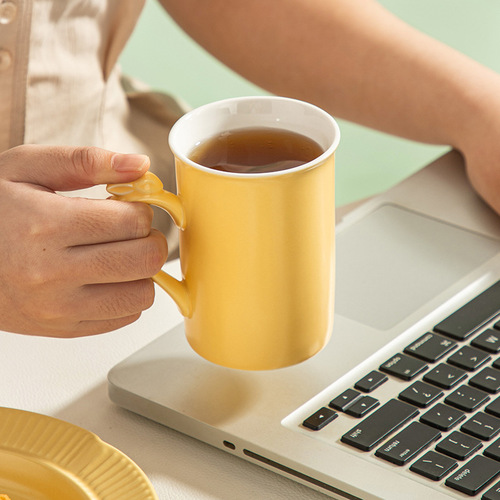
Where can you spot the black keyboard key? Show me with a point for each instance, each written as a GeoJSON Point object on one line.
{"type": "Point", "coordinates": [494, 408]}
{"type": "Point", "coordinates": [319, 419]}
{"type": "Point", "coordinates": [493, 450]}
{"type": "Point", "coordinates": [420, 394]}
{"type": "Point", "coordinates": [474, 476]}
{"type": "Point", "coordinates": [442, 417]}
{"type": "Point", "coordinates": [362, 406]}
{"type": "Point", "coordinates": [430, 347]}
{"type": "Point", "coordinates": [493, 493]}
{"type": "Point", "coordinates": [466, 398]}
{"type": "Point", "coordinates": [377, 426]}
{"type": "Point", "coordinates": [408, 443]}
{"type": "Point", "coordinates": [371, 381]}
{"type": "Point", "coordinates": [458, 445]}
{"type": "Point", "coordinates": [445, 376]}
{"type": "Point", "coordinates": [482, 426]}
{"type": "Point", "coordinates": [404, 367]}
{"type": "Point", "coordinates": [488, 380]}
{"type": "Point", "coordinates": [342, 401]}
{"type": "Point", "coordinates": [488, 341]}
{"type": "Point", "coordinates": [472, 315]}
{"type": "Point", "coordinates": [434, 465]}
{"type": "Point", "coordinates": [468, 358]}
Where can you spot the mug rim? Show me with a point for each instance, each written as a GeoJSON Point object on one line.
{"type": "Point", "coordinates": [202, 109]}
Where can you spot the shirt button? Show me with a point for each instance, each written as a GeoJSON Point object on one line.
{"type": "Point", "coordinates": [8, 11]}
{"type": "Point", "coordinates": [5, 60]}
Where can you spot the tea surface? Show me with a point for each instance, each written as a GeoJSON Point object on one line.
{"type": "Point", "coordinates": [256, 150]}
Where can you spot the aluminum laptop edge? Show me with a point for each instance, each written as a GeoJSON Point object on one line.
{"type": "Point", "coordinates": [405, 260]}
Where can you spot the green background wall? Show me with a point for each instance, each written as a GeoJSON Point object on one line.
{"type": "Point", "coordinates": [162, 55]}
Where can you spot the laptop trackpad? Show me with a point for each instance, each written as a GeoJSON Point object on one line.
{"type": "Point", "coordinates": [393, 261]}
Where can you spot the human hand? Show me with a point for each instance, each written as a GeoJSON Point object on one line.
{"type": "Point", "coordinates": [72, 266]}
{"type": "Point", "coordinates": [480, 146]}
{"type": "Point", "coordinates": [482, 159]}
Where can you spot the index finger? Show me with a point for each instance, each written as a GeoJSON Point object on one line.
{"type": "Point", "coordinates": [90, 222]}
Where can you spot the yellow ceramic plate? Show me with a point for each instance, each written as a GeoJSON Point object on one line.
{"type": "Point", "coordinates": [43, 458]}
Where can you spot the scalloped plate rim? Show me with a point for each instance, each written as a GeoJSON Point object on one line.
{"type": "Point", "coordinates": [29, 444]}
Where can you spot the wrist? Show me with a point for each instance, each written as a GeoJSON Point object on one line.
{"type": "Point", "coordinates": [475, 129]}
{"type": "Point", "coordinates": [477, 137]}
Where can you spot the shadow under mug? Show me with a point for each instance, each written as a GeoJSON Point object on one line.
{"type": "Point", "coordinates": [256, 250]}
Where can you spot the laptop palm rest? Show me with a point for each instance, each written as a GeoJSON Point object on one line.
{"type": "Point", "coordinates": [393, 261]}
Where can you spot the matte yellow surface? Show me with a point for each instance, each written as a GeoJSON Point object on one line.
{"type": "Point", "coordinates": [261, 288]}
{"type": "Point", "coordinates": [43, 458]}
{"type": "Point", "coordinates": [257, 291]}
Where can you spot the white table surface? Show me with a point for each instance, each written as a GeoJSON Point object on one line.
{"type": "Point", "coordinates": [66, 379]}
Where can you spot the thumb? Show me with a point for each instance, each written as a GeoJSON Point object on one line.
{"type": "Point", "coordinates": [64, 168]}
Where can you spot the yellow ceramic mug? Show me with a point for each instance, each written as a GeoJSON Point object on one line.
{"type": "Point", "coordinates": [256, 250]}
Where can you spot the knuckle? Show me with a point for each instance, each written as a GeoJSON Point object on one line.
{"type": "Point", "coordinates": [141, 220]}
{"type": "Point", "coordinates": [104, 261]}
{"type": "Point", "coordinates": [39, 230]}
{"type": "Point", "coordinates": [133, 219]}
{"type": "Point", "coordinates": [38, 277]}
{"type": "Point", "coordinates": [134, 297]}
{"type": "Point", "coordinates": [36, 266]}
{"type": "Point", "coordinates": [86, 158]}
{"type": "Point", "coordinates": [146, 294]}
{"type": "Point", "coordinates": [155, 253]}
{"type": "Point", "coordinates": [48, 313]}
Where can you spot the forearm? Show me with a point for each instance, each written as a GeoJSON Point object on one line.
{"type": "Point", "coordinates": [351, 57]}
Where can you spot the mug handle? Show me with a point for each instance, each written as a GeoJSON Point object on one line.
{"type": "Point", "coordinates": [149, 189]}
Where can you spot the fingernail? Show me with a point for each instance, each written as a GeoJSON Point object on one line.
{"type": "Point", "coordinates": [129, 163]}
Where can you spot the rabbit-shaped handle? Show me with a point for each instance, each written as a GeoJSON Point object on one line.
{"type": "Point", "coordinates": [149, 189]}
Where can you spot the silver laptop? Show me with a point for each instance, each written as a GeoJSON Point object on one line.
{"type": "Point", "coordinates": [402, 403]}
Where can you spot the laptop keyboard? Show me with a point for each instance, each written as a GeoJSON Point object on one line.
{"type": "Point", "coordinates": [444, 424]}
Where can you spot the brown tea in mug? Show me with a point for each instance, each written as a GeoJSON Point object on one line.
{"type": "Point", "coordinates": [256, 150]}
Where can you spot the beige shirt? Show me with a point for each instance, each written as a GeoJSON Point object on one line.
{"type": "Point", "coordinates": [60, 83]}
